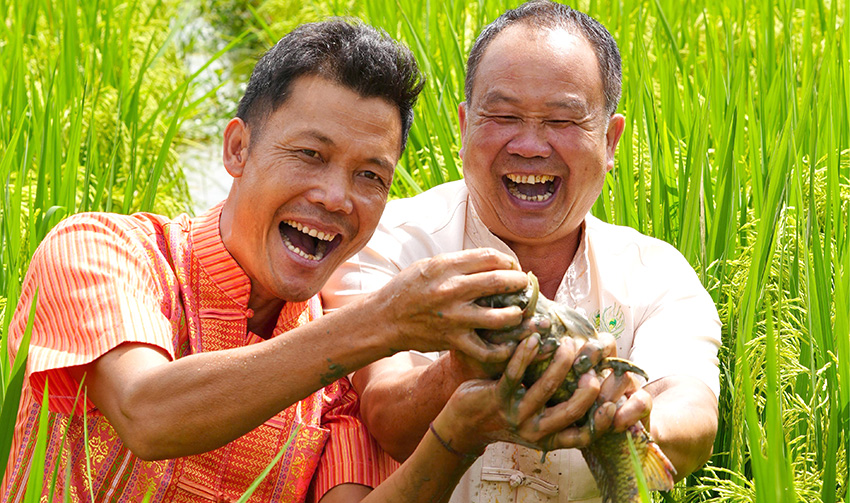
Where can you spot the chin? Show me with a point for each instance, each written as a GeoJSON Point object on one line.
{"type": "Point", "coordinates": [299, 294]}
{"type": "Point", "coordinates": [298, 289]}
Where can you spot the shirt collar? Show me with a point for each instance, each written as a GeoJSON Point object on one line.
{"type": "Point", "coordinates": [226, 273]}
{"type": "Point", "coordinates": [575, 285]}
{"type": "Point", "coordinates": [214, 258]}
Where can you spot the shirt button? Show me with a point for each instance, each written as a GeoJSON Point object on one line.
{"type": "Point", "coordinates": [516, 480]}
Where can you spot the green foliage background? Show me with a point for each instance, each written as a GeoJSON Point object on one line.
{"type": "Point", "coordinates": [736, 150]}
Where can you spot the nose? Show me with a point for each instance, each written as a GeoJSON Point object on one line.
{"type": "Point", "coordinates": [333, 191]}
{"type": "Point", "coordinates": [530, 141]}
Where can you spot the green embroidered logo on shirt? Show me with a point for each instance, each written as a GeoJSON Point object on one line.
{"type": "Point", "coordinates": [610, 319]}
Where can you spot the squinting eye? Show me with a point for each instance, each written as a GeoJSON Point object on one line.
{"type": "Point", "coordinates": [310, 153]}
{"type": "Point", "coordinates": [371, 175]}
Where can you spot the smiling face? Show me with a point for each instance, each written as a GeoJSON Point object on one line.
{"type": "Point", "coordinates": [537, 141]}
{"type": "Point", "coordinates": [309, 188]}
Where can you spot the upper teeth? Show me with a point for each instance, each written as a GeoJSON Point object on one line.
{"type": "Point", "coordinates": [310, 232]}
{"type": "Point", "coordinates": [530, 178]}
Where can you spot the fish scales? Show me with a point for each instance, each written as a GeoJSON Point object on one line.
{"type": "Point", "coordinates": [608, 455]}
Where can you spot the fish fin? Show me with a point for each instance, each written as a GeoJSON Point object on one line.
{"type": "Point", "coordinates": [534, 285]}
{"type": "Point", "coordinates": [657, 468]}
{"type": "Point", "coordinates": [621, 366]}
{"type": "Point", "coordinates": [576, 324]}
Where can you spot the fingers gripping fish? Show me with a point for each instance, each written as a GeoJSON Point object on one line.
{"type": "Point", "coordinates": [608, 455]}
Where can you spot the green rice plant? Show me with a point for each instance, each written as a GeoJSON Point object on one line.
{"type": "Point", "coordinates": [93, 98]}
{"type": "Point", "coordinates": [262, 476]}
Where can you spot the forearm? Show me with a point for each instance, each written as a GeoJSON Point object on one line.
{"type": "Point", "coordinates": [429, 475]}
{"type": "Point", "coordinates": [159, 407]}
{"type": "Point", "coordinates": [399, 398]}
{"type": "Point", "coordinates": [684, 422]}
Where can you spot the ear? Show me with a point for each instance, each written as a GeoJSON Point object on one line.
{"type": "Point", "coordinates": [236, 140]}
{"type": "Point", "coordinates": [616, 125]}
{"type": "Point", "coordinates": [461, 117]}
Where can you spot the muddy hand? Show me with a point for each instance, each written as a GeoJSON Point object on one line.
{"type": "Point", "coordinates": [476, 414]}
{"type": "Point", "coordinates": [430, 305]}
{"type": "Point", "coordinates": [556, 427]}
{"type": "Point", "coordinates": [507, 339]}
{"type": "Point", "coordinates": [622, 385]}
{"type": "Point", "coordinates": [484, 412]}
{"type": "Point", "coordinates": [634, 406]}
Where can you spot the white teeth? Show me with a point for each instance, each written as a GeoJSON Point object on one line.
{"type": "Point", "coordinates": [320, 250]}
{"type": "Point", "coordinates": [321, 247]}
{"type": "Point", "coordinates": [310, 232]}
{"type": "Point", "coordinates": [530, 178]}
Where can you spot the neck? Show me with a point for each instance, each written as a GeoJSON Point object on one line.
{"type": "Point", "coordinates": [549, 262]}
{"type": "Point", "coordinates": [265, 317]}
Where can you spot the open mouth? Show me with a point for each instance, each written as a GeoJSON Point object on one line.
{"type": "Point", "coordinates": [536, 188]}
{"type": "Point", "coordinates": [308, 243]}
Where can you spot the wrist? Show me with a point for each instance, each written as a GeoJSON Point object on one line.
{"type": "Point", "coordinates": [460, 369]}
{"type": "Point", "coordinates": [380, 324]}
{"type": "Point", "coordinates": [449, 437]}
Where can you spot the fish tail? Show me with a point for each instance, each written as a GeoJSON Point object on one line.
{"type": "Point", "coordinates": [610, 463]}
{"type": "Point", "coordinates": [657, 468]}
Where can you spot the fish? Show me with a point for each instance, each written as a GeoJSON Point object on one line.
{"type": "Point", "coordinates": [608, 455]}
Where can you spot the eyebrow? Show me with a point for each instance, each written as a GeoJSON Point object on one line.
{"type": "Point", "coordinates": [382, 163]}
{"type": "Point", "coordinates": [317, 135]}
{"type": "Point", "coordinates": [492, 97]}
{"type": "Point", "coordinates": [567, 103]}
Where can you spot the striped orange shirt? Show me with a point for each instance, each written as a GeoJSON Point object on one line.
{"type": "Point", "coordinates": [106, 279]}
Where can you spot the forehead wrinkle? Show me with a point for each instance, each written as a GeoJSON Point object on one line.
{"type": "Point", "coordinates": [319, 136]}
{"type": "Point", "coordinates": [362, 123]}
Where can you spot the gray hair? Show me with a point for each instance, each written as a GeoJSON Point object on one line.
{"type": "Point", "coordinates": [548, 14]}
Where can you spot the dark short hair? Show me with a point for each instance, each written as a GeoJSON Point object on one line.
{"type": "Point", "coordinates": [547, 14]}
{"type": "Point", "coordinates": [350, 53]}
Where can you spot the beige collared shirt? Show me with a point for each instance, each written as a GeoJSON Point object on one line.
{"type": "Point", "coordinates": [638, 288]}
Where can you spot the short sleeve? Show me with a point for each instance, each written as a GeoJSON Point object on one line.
{"type": "Point", "coordinates": [351, 454]}
{"type": "Point", "coordinates": [680, 332]}
{"type": "Point", "coordinates": [96, 289]}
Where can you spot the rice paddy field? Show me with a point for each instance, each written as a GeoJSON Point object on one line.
{"type": "Point", "coordinates": [736, 151]}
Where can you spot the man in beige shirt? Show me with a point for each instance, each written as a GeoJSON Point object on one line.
{"type": "Point", "coordinates": [539, 133]}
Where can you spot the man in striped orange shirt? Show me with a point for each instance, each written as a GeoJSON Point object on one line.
{"type": "Point", "coordinates": [199, 343]}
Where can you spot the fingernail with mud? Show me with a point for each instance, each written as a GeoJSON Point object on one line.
{"type": "Point", "coordinates": [542, 323]}
{"type": "Point", "coordinates": [582, 364]}
{"type": "Point", "coordinates": [549, 345]}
